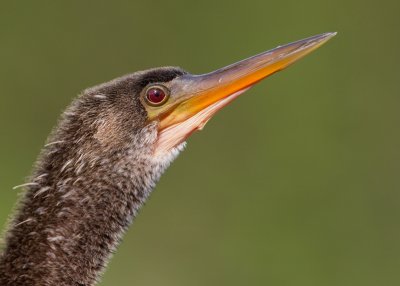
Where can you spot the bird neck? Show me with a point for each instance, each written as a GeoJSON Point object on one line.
{"type": "Point", "coordinates": [74, 213]}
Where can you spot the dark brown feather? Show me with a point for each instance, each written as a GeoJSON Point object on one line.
{"type": "Point", "coordinates": [90, 181]}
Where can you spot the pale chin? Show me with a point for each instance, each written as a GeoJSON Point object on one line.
{"type": "Point", "coordinates": [166, 158]}
{"type": "Point", "coordinates": [172, 136]}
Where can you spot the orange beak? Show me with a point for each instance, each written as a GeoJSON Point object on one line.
{"type": "Point", "coordinates": [195, 99]}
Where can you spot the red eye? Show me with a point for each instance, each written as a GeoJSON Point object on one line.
{"type": "Point", "coordinates": [156, 95]}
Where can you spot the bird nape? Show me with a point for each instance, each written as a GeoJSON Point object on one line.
{"type": "Point", "coordinates": [104, 158]}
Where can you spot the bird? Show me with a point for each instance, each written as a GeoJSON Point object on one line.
{"type": "Point", "coordinates": [104, 158]}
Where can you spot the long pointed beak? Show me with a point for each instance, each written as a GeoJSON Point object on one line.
{"type": "Point", "coordinates": [195, 98]}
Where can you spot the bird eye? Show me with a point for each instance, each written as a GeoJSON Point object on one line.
{"type": "Point", "coordinates": [157, 95]}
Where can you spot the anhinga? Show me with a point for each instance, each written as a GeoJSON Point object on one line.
{"type": "Point", "coordinates": [103, 160]}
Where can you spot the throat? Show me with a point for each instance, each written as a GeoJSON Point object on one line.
{"type": "Point", "coordinates": [72, 217]}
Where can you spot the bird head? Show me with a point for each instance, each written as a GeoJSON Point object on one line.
{"type": "Point", "coordinates": [166, 105]}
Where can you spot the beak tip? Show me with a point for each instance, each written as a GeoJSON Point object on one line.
{"type": "Point", "coordinates": [319, 40]}
{"type": "Point", "coordinates": [329, 35]}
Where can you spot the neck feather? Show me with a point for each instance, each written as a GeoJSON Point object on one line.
{"type": "Point", "coordinates": [75, 211]}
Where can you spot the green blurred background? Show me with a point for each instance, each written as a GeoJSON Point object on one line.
{"type": "Point", "coordinates": [295, 183]}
